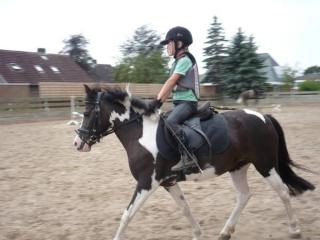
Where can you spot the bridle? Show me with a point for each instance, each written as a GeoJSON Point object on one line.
{"type": "Point", "coordinates": [94, 127]}
{"type": "Point", "coordinates": [94, 130]}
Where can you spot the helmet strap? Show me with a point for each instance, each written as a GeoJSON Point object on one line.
{"type": "Point", "coordinates": [179, 51]}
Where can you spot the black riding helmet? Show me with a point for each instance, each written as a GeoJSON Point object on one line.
{"type": "Point", "coordinates": [178, 34]}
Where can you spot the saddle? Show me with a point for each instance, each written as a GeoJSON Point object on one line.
{"type": "Point", "coordinates": [206, 132]}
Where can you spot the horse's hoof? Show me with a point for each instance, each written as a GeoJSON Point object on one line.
{"type": "Point", "coordinates": [295, 232]}
{"type": "Point", "coordinates": [224, 237]}
{"type": "Point", "coordinates": [295, 235]}
{"type": "Point", "coordinates": [197, 234]}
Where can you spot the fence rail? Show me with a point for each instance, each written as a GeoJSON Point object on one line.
{"type": "Point", "coordinates": [35, 103]}
{"type": "Point", "coordinates": [47, 103]}
{"type": "Point", "coordinates": [67, 89]}
{"type": "Point", "coordinates": [296, 93]}
{"type": "Point", "coordinates": [35, 109]}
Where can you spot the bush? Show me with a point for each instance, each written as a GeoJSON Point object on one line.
{"type": "Point", "coordinates": [309, 85]}
{"type": "Point", "coordinates": [286, 87]}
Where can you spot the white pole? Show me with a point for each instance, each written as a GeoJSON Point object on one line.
{"type": "Point", "coordinates": [72, 106]}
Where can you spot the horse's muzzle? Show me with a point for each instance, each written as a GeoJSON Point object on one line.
{"type": "Point", "coordinates": [81, 145]}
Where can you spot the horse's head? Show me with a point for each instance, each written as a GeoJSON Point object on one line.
{"type": "Point", "coordinates": [102, 109]}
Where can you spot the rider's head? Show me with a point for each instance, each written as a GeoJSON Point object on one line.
{"type": "Point", "coordinates": [177, 38]}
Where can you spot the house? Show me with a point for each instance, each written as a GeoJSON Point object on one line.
{"type": "Point", "coordinates": [273, 72]}
{"type": "Point", "coordinates": [311, 76]}
{"type": "Point", "coordinates": [34, 67]}
{"type": "Point", "coordinates": [22, 72]}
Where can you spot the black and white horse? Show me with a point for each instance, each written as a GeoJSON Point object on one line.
{"type": "Point", "coordinates": [253, 139]}
{"type": "Point", "coordinates": [249, 94]}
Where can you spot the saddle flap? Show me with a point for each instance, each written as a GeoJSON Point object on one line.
{"type": "Point", "coordinates": [198, 132]}
{"type": "Point", "coordinates": [192, 130]}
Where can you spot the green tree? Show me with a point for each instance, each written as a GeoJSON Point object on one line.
{"type": "Point", "coordinates": [288, 76]}
{"type": "Point", "coordinates": [143, 60]}
{"type": "Point", "coordinates": [312, 69]}
{"type": "Point", "coordinates": [76, 48]}
{"type": "Point", "coordinates": [214, 53]}
{"type": "Point", "coordinates": [243, 66]}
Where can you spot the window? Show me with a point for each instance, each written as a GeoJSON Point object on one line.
{"type": "Point", "coordinates": [55, 69]}
{"type": "Point", "coordinates": [39, 68]}
{"type": "Point", "coordinates": [44, 57]}
{"type": "Point", "coordinates": [15, 67]}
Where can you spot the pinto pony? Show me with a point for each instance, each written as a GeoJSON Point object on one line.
{"type": "Point", "coordinates": [253, 139]}
{"type": "Point", "coordinates": [248, 94]}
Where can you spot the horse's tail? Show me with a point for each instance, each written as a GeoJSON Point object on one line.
{"type": "Point", "coordinates": [296, 184]}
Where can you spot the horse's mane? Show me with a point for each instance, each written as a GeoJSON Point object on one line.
{"type": "Point", "coordinates": [117, 94]}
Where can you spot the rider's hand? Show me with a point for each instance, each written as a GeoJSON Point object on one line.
{"type": "Point", "coordinates": [152, 106]}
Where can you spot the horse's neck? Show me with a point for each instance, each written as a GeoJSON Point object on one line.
{"type": "Point", "coordinates": [149, 133]}
{"type": "Point", "coordinates": [143, 132]}
{"type": "Point", "coordinates": [129, 133]}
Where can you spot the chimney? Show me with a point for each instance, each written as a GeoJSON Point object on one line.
{"type": "Point", "coordinates": [41, 50]}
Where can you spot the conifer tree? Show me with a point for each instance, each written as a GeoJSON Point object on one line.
{"type": "Point", "coordinates": [255, 62]}
{"type": "Point", "coordinates": [243, 66]}
{"type": "Point", "coordinates": [76, 48]}
{"type": "Point", "coordinates": [214, 53]}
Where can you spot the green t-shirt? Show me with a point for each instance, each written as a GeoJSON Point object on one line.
{"type": "Point", "coordinates": [182, 66]}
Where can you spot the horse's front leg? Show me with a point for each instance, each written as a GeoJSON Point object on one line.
{"type": "Point", "coordinates": [139, 197]}
{"type": "Point", "coordinates": [179, 198]}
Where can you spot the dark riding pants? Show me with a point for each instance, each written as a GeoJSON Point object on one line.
{"type": "Point", "coordinates": [182, 111]}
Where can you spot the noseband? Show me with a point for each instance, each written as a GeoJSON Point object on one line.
{"type": "Point", "coordinates": [94, 128]}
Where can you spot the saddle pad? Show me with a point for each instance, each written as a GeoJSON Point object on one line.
{"type": "Point", "coordinates": [215, 128]}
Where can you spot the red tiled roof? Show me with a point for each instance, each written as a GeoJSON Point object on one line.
{"type": "Point", "coordinates": [69, 70]}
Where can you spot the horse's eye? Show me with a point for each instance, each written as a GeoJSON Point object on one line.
{"type": "Point", "coordinates": [86, 114]}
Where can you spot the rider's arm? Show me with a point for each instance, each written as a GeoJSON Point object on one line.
{"type": "Point", "coordinates": [168, 86]}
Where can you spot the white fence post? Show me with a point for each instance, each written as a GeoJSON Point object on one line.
{"type": "Point", "coordinates": [72, 106]}
{"type": "Point", "coordinates": [73, 113]}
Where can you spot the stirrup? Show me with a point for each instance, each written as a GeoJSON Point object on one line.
{"type": "Point", "coordinates": [181, 165]}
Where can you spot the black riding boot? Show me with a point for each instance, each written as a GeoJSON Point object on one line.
{"type": "Point", "coordinates": [186, 160]}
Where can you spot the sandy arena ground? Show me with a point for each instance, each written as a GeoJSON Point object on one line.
{"type": "Point", "coordinates": [48, 190]}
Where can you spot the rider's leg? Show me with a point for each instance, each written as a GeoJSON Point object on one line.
{"type": "Point", "coordinates": [181, 112]}
{"type": "Point", "coordinates": [186, 153]}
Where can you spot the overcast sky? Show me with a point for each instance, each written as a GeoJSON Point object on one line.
{"type": "Point", "coordinates": [289, 30]}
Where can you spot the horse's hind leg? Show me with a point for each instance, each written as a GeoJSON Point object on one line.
{"type": "Point", "coordinates": [179, 198]}
{"type": "Point", "coordinates": [282, 190]}
{"type": "Point", "coordinates": [139, 197]}
{"type": "Point", "coordinates": [239, 179]}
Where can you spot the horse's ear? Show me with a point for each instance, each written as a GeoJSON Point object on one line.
{"type": "Point", "coordinates": [88, 89]}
